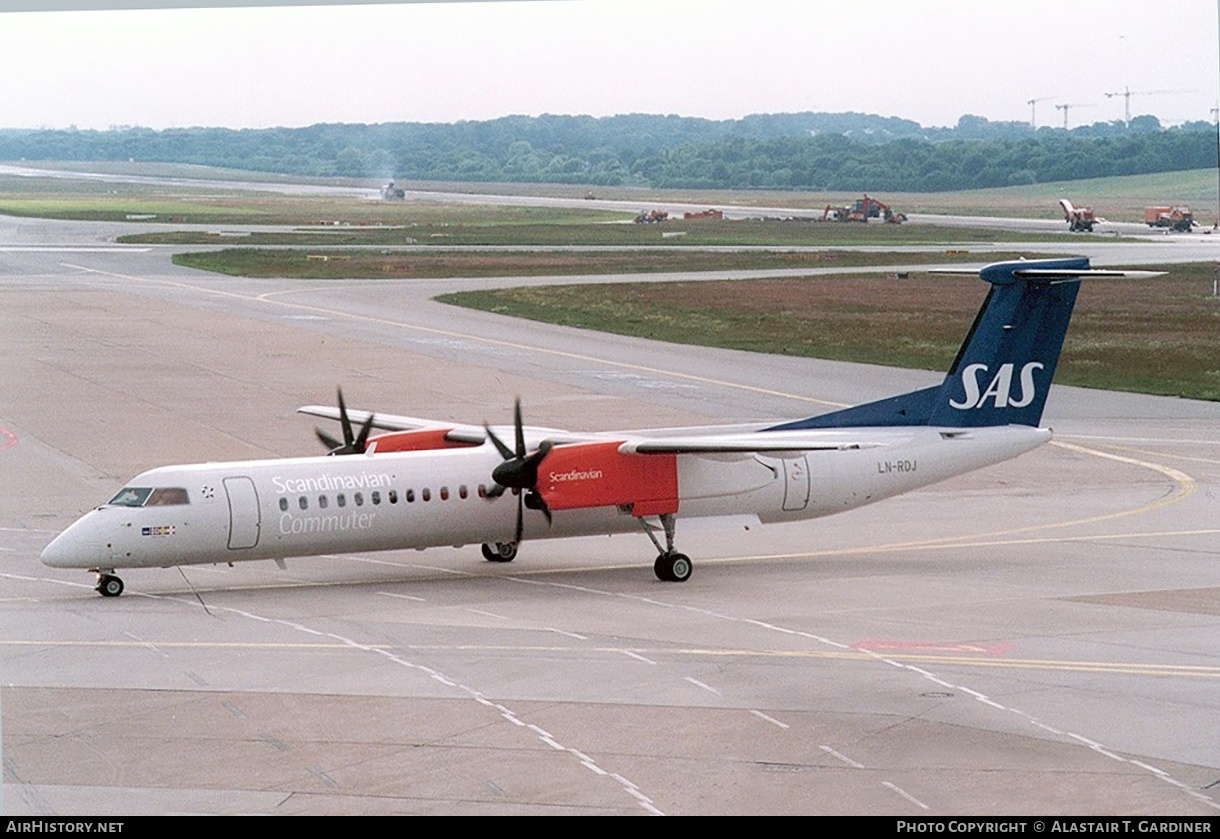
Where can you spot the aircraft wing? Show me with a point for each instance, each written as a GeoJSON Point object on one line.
{"type": "Point", "coordinates": [393, 422]}
{"type": "Point", "coordinates": [776, 443]}
{"type": "Point", "coordinates": [455, 431]}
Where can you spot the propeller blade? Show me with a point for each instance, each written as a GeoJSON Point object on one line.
{"type": "Point", "coordinates": [351, 443]}
{"type": "Point", "coordinates": [520, 426]}
{"type": "Point", "coordinates": [535, 501]}
{"type": "Point", "coordinates": [348, 438]}
{"type": "Point", "coordinates": [328, 441]}
{"type": "Point", "coordinates": [519, 472]}
{"type": "Point", "coordinates": [362, 441]}
{"type": "Point", "coordinates": [505, 451]}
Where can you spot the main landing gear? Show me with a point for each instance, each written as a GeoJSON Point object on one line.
{"type": "Point", "coordinates": [671, 566]}
{"type": "Point", "coordinates": [108, 585]}
{"type": "Point", "coordinates": [500, 551]}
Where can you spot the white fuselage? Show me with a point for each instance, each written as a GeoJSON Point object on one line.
{"type": "Point", "coordinates": [272, 509]}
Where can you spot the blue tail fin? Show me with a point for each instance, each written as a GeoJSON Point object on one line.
{"type": "Point", "coordinates": [1004, 368]}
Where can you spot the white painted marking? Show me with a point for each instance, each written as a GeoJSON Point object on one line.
{"type": "Point", "coordinates": [402, 596]}
{"type": "Point", "coordinates": [1154, 770]}
{"type": "Point", "coordinates": [566, 634]}
{"type": "Point", "coordinates": [488, 614]}
{"type": "Point", "coordinates": [147, 644]}
{"type": "Point", "coordinates": [771, 720]}
{"type": "Point", "coordinates": [841, 757]}
{"type": "Point", "coordinates": [506, 713]}
{"type": "Point", "coordinates": [700, 684]}
{"type": "Point", "coordinates": [904, 794]}
{"type": "Point", "coordinates": [637, 657]}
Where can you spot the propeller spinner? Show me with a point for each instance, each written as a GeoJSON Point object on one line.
{"type": "Point", "coordinates": [519, 472]}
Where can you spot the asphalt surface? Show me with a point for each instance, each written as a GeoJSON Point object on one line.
{"type": "Point", "coordinates": [1040, 637]}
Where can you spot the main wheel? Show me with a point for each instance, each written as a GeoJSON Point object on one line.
{"type": "Point", "coordinates": [661, 569]}
{"type": "Point", "coordinates": [109, 585]}
{"type": "Point", "coordinates": [673, 568]}
{"type": "Point", "coordinates": [500, 551]}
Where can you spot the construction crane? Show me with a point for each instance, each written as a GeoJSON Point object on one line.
{"type": "Point", "coordinates": [1033, 114]}
{"type": "Point", "coordinates": [1127, 93]}
{"type": "Point", "coordinates": [1068, 105]}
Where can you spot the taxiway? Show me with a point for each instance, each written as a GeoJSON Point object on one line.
{"type": "Point", "coordinates": [1040, 637]}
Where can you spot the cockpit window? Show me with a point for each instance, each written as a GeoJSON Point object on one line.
{"type": "Point", "coordinates": [150, 497]}
{"type": "Point", "coordinates": [131, 497]}
{"type": "Point", "coordinates": [167, 496]}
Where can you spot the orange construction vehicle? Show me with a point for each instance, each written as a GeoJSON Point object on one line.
{"type": "Point", "coordinates": [1079, 219]}
{"type": "Point", "coordinates": [864, 209]}
{"type": "Point", "coordinates": [651, 217]}
{"type": "Point", "coordinates": [1175, 218]}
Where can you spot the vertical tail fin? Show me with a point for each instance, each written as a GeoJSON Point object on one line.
{"type": "Point", "coordinates": [1004, 368]}
{"type": "Point", "coordinates": [1003, 371]}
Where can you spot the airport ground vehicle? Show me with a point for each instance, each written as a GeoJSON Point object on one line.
{"type": "Point", "coordinates": [862, 210]}
{"type": "Point", "coordinates": [1175, 218]}
{"type": "Point", "coordinates": [1079, 219]}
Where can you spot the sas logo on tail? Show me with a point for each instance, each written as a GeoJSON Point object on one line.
{"type": "Point", "coordinates": [1000, 389]}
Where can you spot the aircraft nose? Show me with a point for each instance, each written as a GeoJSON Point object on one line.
{"type": "Point", "coordinates": [71, 549]}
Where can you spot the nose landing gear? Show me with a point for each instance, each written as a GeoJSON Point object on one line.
{"type": "Point", "coordinates": [108, 585]}
{"type": "Point", "coordinates": [500, 551]}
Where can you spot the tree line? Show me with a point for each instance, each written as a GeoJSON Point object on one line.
{"type": "Point", "coordinates": [808, 151]}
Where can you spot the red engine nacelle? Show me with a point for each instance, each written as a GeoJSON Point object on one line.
{"type": "Point", "coordinates": [415, 441]}
{"type": "Point", "coordinates": [597, 475]}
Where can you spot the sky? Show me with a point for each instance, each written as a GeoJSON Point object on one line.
{"type": "Point", "coordinates": [926, 60]}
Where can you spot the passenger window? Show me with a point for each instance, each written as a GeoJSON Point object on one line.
{"type": "Point", "coordinates": [341, 500]}
{"type": "Point", "coordinates": [284, 504]}
{"type": "Point", "coordinates": [304, 503]}
{"type": "Point", "coordinates": [410, 496]}
{"type": "Point", "coordinates": [394, 496]}
{"type": "Point", "coordinates": [376, 497]}
{"type": "Point", "coordinates": [322, 501]}
{"type": "Point", "coordinates": [359, 499]}
{"type": "Point", "coordinates": [444, 493]}
{"type": "Point", "coordinates": [425, 494]}
{"type": "Point", "coordinates": [462, 491]}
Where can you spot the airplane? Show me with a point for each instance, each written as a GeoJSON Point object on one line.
{"type": "Point", "coordinates": [421, 483]}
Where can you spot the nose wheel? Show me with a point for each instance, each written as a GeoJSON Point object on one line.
{"type": "Point", "coordinates": [500, 551]}
{"type": "Point", "coordinates": [108, 585]}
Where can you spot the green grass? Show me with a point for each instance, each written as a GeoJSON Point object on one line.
{"type": "Point", "coordinates": [334, 264]}
{"type": "Point", "coordinates": [1115, 198]}
{"type": "Point", "coordinates": [674, 234]}
{"type": "Point", "coordinates": [1160, 335]}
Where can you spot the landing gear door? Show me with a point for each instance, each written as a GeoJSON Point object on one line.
{"type": "Point", "coordinates": [244, 518]}
{"type": "Point", "coordinates": [796, 483]}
